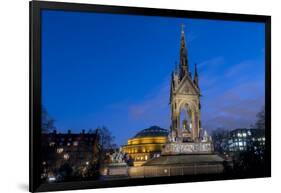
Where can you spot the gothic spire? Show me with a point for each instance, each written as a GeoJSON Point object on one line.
{"type": "Point", "coordinates": [183, 55]}
{"type": "Point", "coordinates": [176, 68]}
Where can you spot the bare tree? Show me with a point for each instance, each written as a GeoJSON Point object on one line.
{"type": "Point", "coordinates": [48, 123]}
{"type": "Point", "coordinates": [260, 123]}
{"type": "Point", "coordinates": [106, 139]}
{"type": "Point", "coordinates": [220, 140]}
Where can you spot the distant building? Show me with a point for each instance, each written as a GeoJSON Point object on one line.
{"type": "Point", "coordinates": [146, 144]}
{"type": "Point", "coordinates": [74, 151]}
{"type": "Point", "coordinates": [246, 140]}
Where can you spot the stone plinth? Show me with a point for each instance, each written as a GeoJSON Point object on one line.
{"type": "Point", "coordinates": [115, 169]}
{"type": "Point", "coordinates": [177, 158]}
{"type": "Point", "coordinates": [175, 165]}
{"type": "Point", "coordinates": [172, 160]}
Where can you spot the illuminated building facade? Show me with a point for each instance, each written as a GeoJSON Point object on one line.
{"type": "Point", "coordinates": [246, 140]}
{"type": "Point", "coordinates": [146, 144]}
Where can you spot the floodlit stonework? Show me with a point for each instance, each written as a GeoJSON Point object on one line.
{"type": "Point", "coordinates": [184, 97]}
{"type": "Point", "coordinates": [188, 148]}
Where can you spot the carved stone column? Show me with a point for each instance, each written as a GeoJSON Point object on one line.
{"type": "Point", "coordinates": [195, 125]}
{"type": "Point", "coordinates": [178, 125]}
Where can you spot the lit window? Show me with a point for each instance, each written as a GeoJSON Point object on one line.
{"type": "Point", "coordinates": [145, 157]}
{"type": "Point", "coordinates": [66, 156]}
{"type": "Point", "coordinates": [59, 150]}
{"type": "Point", "coordinates": [244, 134]}
{"type": "Point", "coordinates": [52, 179]}
{"type": "Point", "coordinates": [75, 143]}
{"type": "Point", "coordinates": [52, 144]}
{"type": "Point", "coordinates": [249, 133]}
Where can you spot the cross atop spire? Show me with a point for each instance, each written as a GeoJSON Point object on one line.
{"type": "Point", "coordinates": [182, 28]}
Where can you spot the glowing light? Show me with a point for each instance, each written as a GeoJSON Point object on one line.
{"type": "Point", "coordinates": [52, 179]}
{"type": "Point", "coordinates": [75, 143]}
{"type": "Point", "coordinates": [59, 150]}
{"type": "Point", "coordinates": [66, 156]}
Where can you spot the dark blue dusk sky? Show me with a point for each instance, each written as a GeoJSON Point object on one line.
{"type": "Point", "coordinates": [114, 70]}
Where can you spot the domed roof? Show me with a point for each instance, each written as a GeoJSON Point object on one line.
{"type": "Point", "coordinates": [153, 131]}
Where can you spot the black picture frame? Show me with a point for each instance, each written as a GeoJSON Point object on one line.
{"type": "Point", "coordinates": [35, 90]}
